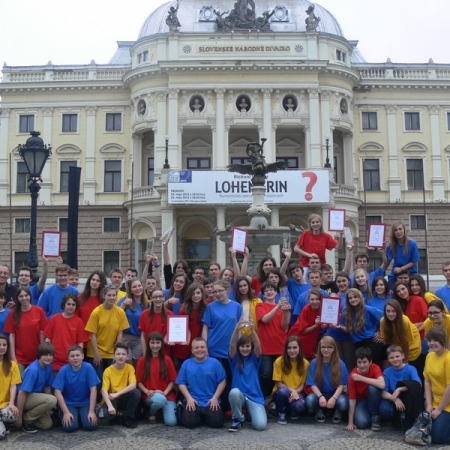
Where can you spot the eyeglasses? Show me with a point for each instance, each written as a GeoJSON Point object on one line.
{"type": "Point", "coordinates": [158, 296]}
{"type": "Point", "coordinates": [219, 292]}
{"type": "Point", "coordinates": [325, 347]}
{"type": "Point", "coordinates": [434, 313]}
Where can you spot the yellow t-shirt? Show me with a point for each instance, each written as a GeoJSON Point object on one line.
{"type": "Point", "coordinates": [106, 324]}
{"type": "Point", "coordinates": [429, 296]}
{"type": "Point", "coordinates": [292, 379]}
{"type": "Point", "coordinates": [114, 380]}
{"type": "Point", "coordinates": [253, 302]}
{"type": "Point", "coordinates": [429, 324]}
{"type": "Point", "coordinates": [437, 372]}
{"type": "Point", "coordinates": [412, 337]}
{"type": "Point", "coordinates": [7, 381]}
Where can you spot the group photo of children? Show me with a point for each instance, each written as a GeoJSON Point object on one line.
{"type": "Point", "coordinates": [256, 349]}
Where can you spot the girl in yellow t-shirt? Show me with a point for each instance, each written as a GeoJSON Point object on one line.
{"type": "Point", "coordinates": [244, 295]}
{"type": "Point", "coordinates": [437, 316]}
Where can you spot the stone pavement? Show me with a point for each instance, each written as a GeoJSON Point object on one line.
{"type": "Point", "coordinates": [304, 434]}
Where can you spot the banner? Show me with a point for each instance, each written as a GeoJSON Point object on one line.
{"type": "Point", "coordinates": [218, 187]}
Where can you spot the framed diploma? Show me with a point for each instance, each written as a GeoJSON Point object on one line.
{"type": "Point", "coordinates": [239, 240]}
{"type": "Point", "coordinates": [377, 233]}
{"type": "Point", "coordinates": [177, 329]}
{"type": "Point", "coordinates": [336, 220]}
{"type": "Point", "coordinates": [330, 310]}
{"type": "Point", "coordinates": [51, 244]}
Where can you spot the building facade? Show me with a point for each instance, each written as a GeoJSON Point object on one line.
{"type": "Point", "coordinates": [196, 91]}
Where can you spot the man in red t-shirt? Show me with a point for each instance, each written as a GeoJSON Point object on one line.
{"type": "Point", "coordinates": [365, 384]}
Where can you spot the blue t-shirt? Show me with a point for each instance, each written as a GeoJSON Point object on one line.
{"type": "Point", "coordinates": [372, 317]}
{"type": "Point", "coordinates": [393, 376]}
{"type": "Point", "coordinates": [75, 385]}
{"type": "Point", "coordinates": [3, 316]}
{"type": "Point", "coordinates": [303, 301]}
{"type": "Point", "coordinates": [174, 307]}
{"type": "Point", "coordinates": [400, 259]}
{"type": "Point", "coordinates": [327, 387]}
{"type": "Point", "coordinates": [201, 378]}
{"type": "Point", "coordinates": [35, 294]}
{"type": "Point", "coordinates": [295, 291]}
{"type": "Point", "coordinates": [247, 381]}
{"type": "Point", "coordinates": [336, 333]}
{"type": "Point", "coordinates": [221, 319]}
{"type": "Point", "coordinates": [133, 318]}
{"type": "Point", "coordinates": [50, 300]}
{"type": "Point", "coordinates": [35, 378]}
{"type": "Point", "coordinates": [444, 294]}
{"type": "Point", "coordinates": [378, 303]}
{"type": "Point", "coordinates": [232, 293]}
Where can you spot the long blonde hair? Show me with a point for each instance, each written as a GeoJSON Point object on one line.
{"type": "Point", "coordinates": [335, 364]}
{"type": "Point", "coordinates": [356, 313]}
{"type": "Point", "coordinates": [395, 241]}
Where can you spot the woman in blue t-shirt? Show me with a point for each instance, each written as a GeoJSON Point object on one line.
{"type": "Point", "coordinates": [380, 291]}
{"type": "Point", "coordinates": [175, 295]}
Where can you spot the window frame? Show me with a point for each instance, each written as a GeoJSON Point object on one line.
{"type": "Point", "coordinates": [413, 171]}
{"type": "Point", "coordinates": [150, 171]}
{"type": "Point", "coordinates": [26, 229]}
{"type": "Point", "coordinates": [414, 219]}
{"type": "Point", "coordinates": [113, 115]}
{"type": "Point", "coordinates": [114, 177]}
{"type": "Point", "coordinates": [109, 219]}
{"type": "Point", "coordinates": [28, 128]}
{"type": "Point", "coordinates": [64, 228]}
{"type": "Point", "coordinates": [364, 171]}
{"type": "Point", "coordinates": [72, 117]}
{"type": "Point", "coordinates": [409, 123]}
{"type": "Point", "coordinates": [369, 113]}
{"type": "Point", "coordinates": [198, 159]}
{"type": "Point", "coordinates": [287, 158]}
{"type": "Point", "coordinates": [21, 177]}
{"type": "Point", "coordinates": [64, 174]}
{"type": "Point", "coordinates": [116, 262]}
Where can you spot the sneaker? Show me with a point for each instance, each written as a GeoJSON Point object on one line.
{"type": "Point", "coordinates": [129, 422]}
{"type": "Point", "coordinates": [29, 428]}
{"type": "Point", "coordinates": [337, 416]}
{"type": "Point", "coordinates": [281, 419]}
{"type": "Point", "coordinates": [99, 411]}
{"type": "Point", "coordinates": [236, 425]}
{"type": "Point", "coordinates": [376, 423]}
{"type": "Point", "coordinates": [320, 417]}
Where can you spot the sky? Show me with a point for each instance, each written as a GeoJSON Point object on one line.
{"type": "Point", "coordinates": [33, 32]}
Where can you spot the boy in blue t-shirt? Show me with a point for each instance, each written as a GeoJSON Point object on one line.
{"type": "Point", "coordinates": [34, 400]}
{"type": "Point", "coordinates": [403, 386]}
{"type": "Point", "coordinates": [3, 311]}
{"type": "Point", "coordinates": [76, 391]}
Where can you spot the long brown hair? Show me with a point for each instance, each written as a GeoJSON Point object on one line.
{"type": "Point", "coordinates": [6, 363]}
{"type": "Point", "coordinates": [188, 304]}
{"type": "Point", "coordinates": [395, 296]}
{"type": "Point", "coordinates": [183, 291]}
{"type": "Point", "coordinates": [356, 313]}
{"type": "Point", "coordinates": [17, 306]}
{"type": "Point", "coordinates": [87, 287]}
{"type": "Point", "coordinates": [286, 365]}
{"type": "Point", "coordinates": [155, 336]}
{"type": "Point", "coordinates": [335, 366]}
{"type": "Point", "coordinates": [144, 301]}
{"type": "Point", "coordinates": [243, 340]}
{"type": "Point", "coordinates": [388, 325]}
{"type": "Point", "coordinates": [394, 241]}
{"type": "Point", "coordinates": [237, 295]}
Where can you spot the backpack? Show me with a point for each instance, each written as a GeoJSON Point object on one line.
{"type": "Point", "coordinates": [420, 432]}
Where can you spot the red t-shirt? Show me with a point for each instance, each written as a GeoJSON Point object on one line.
{"type": "Point", "coordinates": [27, 333]}
{"type": "Point", "coordinates": [357, 390]}
{"type": "Point", "coordinates": [417, 310]}
{"type": "Point", "coordinates": [315, 243]}
{"type": "Point", "coordinates": [271, 335]}
{"type": "Point", "coordinates": [64, 332]}
{"type": "Point", "coordinates": [306, 319]}
{"type": "Point", "coordinates": [158, 324]}
{"type": "Point", "coordinates": [85, 311]}
{"type": "Point", "coordinates": [256, 285]}
{"type": "Point", "coordinates": [195, 327]}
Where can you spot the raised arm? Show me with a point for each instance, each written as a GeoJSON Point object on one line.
{"type": "Point", "coordinates": [287, 252]}
{"type": "Point", "coordinates": [245, 262]}
{"type": "Point", "coordinates": [236, 268]}
{"type": "Point", "coordinates": [43, 279]}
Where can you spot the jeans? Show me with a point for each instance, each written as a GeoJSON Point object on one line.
{"type": "Point", "coordinates": [281, 398]}
{"type": "Point", "coordinates": [78, 412]}
{"type": "Point", "coordinates": [128, 401]}
{"type": "Point", "coordinates": [224, 396]}
{"type": "Point", "coordinates": [265, 374]}
{"type": "Point", "coordinates": [312, 402]}
{"type": "Point", "coordinates": [440, 432]}
{"type": "Point", "coordinates": [159, 401]}
{"type": "Point", "coordinates": [257, 411]}
{"type": "Point", "coordinates": [367, 407]}
{"type": "Point", "coordinates": [213, 419]}
{"type": "Point", "coordinates": [104, 364]}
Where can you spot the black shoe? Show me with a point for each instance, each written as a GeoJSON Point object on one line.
{"type": "Point", "coordinates": [29, 428]}
{"type": "Point", "coordinates": [129, 422]}
{"type": "Point", "coordinates": [236, 425]}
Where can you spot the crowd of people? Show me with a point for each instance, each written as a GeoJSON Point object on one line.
{"type": "Point", "coordinates": [255, 346]}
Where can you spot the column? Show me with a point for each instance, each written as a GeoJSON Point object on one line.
{"type": "Point", "coordinates": [46, 185]}
{"type": "Point", "coordinates": [307, 133]}
{"type": "Point", "coordinates": [314, 124]}
{"type": "Point", "coordinates": [221, 247]}
{"type": "Point", "coordinates": [137, 160]}
{"type": "Point", "coordinates": [269, 148]}
{"type": "Point", "coordinates": [437, 181]}
{"type": "Point", "coordinates": [348, 160]}
{"type": "Point", "coordinates": [160, 132]}
{"type": "Point", "coordinates": [168, 220]}
{"type": "Point", "coordinates": [173, 129]}
{"type": "Point", "coordinates": [275, 222]}
{"type": "Point", "coordinates": [394, 182]}
{"type": "Point", "coordinates": [4, 157]}
{"type": "Point", "coordinates": [89, 179]}
{"type": "Point", "coordinates": [327, 131]}
{"type": "Point", "coordinates": [220, 151]}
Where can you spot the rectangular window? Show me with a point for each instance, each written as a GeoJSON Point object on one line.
{"type": "Point", "coordinates": [375, 260]}
{"type": "Point", "coordinates": [448, 121]}
{"type": "Point", "coordinates": [70, 123]}
{"type": "Point", "coordinates": [423, 263]}
{"type": "Point", "coordinates": [371, 168]}
{"type": "Point", "coordinates": [22, 225]}
{"type": "Point", "coordinates": [64, 175]}
{"type": "Point", "coordinates": [113, 121]}
{"type": "Point", "coordinates": [292, 161]}
{"type": "Point", "coordinates": [340, 55]}
{"type": "Point", "coordinates": [412, 121]}
{"type": "Point", "coordinates": [369, 121]}
{"type": "Point", "coordinates": [418, 222]}
{"type": "Point", "coordinates": [111, 259]}
{"type": "Point", "coordinates": [199, 163]}
{"type": "Point", "coordinates": [20, 259]}
{"type": "Point", "coordinates": [111, 225]}
{"type": "Point", "coordinates": [113, 176]}
{"type": "Point", "coordinates": [241, 161]}
{"type": "Point", "coordinates": [26, 123]}
{"type": "Point", "coordinates": [151, 171]}
{"type": "Point", "coordinates": [63, 224]}
{"type": "Point", "coordinates": [22, 178]}
{"type": "Point", "coordinates": [373, 219]}
{"type": "Point", "coordinates": [414, 174]}
{"type": "Point", "coordinates": [65, 256]}
{"type": "Point", "coordinates": [197, 252]}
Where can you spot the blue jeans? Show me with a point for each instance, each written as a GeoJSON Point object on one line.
{"type": "Point", "coordinates": [281, 398]}
{"type": "Point", "coordinates": [367, 407]}
{"type": "Point", "coordinates": [265, 374]}
{"type": "Point", "coordinates": [312, 402]}
{"type": "Point", "coordinates": [440, 432]}
{"type": "Point", "coordinates": [78, 412]}
{"type": "Point", "coordinates": [257, 411]}
{"type": "Point", "coordinates": [158, 401]}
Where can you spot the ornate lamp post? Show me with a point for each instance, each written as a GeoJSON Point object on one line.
{"type": "Point", "coordinates": [327, 164]}
{"type": "Point", "coordinates": [166, 161]}
{"type": "Point", "coordinates": [35, 154]}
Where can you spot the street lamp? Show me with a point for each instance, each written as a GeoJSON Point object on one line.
{"type": "Point", "coordinates": [35, 154]}
{"type": "Point", "coordinates": [166, 161]}
{"type": "Point", "coordinates": [327, 164]}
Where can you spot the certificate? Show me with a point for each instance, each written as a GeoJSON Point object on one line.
{"type": "Point", "coordinates": [336, 220]}
{"type": "Point", "coordinates": [150, 245]}
{"type": "Point", "coordinates": [177, 329]}
{"type": "Point", "coordinates": [330, 310]}
{"type": "Point", "coordinates": [239, 240]}
{"type": "Point", "coordinates": [165, 238]}
{"type": "Point", "coordinates": [376, 235]}
{"type": "Point", "coordinates": [51, 244]}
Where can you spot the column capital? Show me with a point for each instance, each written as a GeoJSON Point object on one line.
{"type": "Point", "coordinates": [91, 110]}
{"type": "Point", "coordinates": [313, 93]}
{"type": "Point", "coordinates": [266, 92]}
{"type": "Point", "coordinates": [391, 109]}
{"type": "Point", "coordinates": [173, 93]}
{"type": "Point", "coordinates": [161, 96]}
{"type": "Point", "coordinates": [4, 112]}
{"type": "Point", "coordinates": [325, 95]}
{"type": "Point", "coordinates": [434, 109]}
{"type": "Point", "coordinates": [220, 92]}
{"type": "Point", "coordinates": [47, 111]}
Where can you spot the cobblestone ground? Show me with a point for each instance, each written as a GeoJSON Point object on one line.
{"type": "Point", "coordinates": [304, 434]}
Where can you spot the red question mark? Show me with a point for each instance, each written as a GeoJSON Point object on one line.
{"type": "Point", "coordinates": [312, 181]}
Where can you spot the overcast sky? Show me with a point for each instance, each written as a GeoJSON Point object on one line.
{"type": "Point", "coordinates": [32, 32]}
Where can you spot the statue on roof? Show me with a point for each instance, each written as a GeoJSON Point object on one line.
{"type": "Point", "coordinates": [172, 18]}
{"type": "Point", "coordinates": [312, 21]}
{"type": "Point", "coordinates": [243, 17]}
